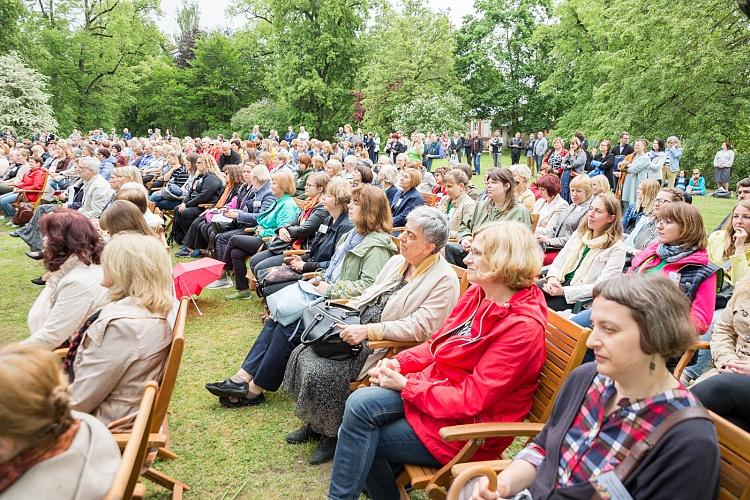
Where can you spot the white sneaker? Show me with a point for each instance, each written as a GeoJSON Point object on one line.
{"type": "Point", "coordinates": [220, 283]}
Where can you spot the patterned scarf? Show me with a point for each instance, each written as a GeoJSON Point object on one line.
{"type": "Point", "coordinates": [17, 466]}
{"type": "Point", "coordinates": [75, 342]}
{"type": "Point", "coordinates": [673, 253]}
{"type": "Point", "coordinates": [334, 267]}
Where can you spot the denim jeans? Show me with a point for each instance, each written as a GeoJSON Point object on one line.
{"type": "Point", "coordinates": [477, 163]}
{"type": "Point", "coordinates": [539, 160]}
{"type": "Point", "coordinates": [583, 319]}
{"type": "Point", "coordinates": [162, 203]}
{"type": "Point", "coordinates": [704, 361]}
{"type": "Point", "coordinates": [6, 203]}
{"type": "Point", "coordinates": [374, 435]}
{"type": "Point", "coordinates": [497, 160]}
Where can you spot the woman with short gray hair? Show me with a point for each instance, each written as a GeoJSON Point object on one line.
{"type": "Point", "coordinates": [411, 297]}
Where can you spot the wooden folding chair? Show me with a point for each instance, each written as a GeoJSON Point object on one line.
{"type": "Point", "coordinates": [429, 199]}
{"type": "Point", "coordinates": [734, 475]}
{"type": "Point", "coordinates": [159, 432]}
{"type": "Point", "coordinates": [566, 346]}
{"type": "Point", "coordinates": [688, 356]}
{"type": "Point", "coordinates": [534, 221]}
{"type": "Point", "coordinates": [126, 485]}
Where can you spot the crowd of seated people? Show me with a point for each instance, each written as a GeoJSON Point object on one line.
{"type": "Point", "coordinates": [274, 210]}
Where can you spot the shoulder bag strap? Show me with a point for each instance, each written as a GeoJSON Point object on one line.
{"type": "Point", "coordinates": [642, 448]}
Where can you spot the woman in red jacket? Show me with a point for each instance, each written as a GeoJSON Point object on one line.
{"type": "Point", "coordinates": [33, 180]}
{"type": "Point", "coordinates": [490, 350]}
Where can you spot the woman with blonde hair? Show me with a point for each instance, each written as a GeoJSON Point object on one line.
{"type": "Point", "coordinates": [644, 205]}
{"type": "Point", "coordinates": [600, 184]}
{"type": "Point", "coordinates": [128, 173]}
{"type": "Point", "coordinates": [204, 188]}
{"type": "Point", "coordinates": [124, 344]}
{"type": "Point", "coordinates": [46, 449]}
{"type": "Point", "coordinates": [730, 248]}
{"type": "Point", "coordinates": [489, 349]}
{"type": "Point", "coordinates": [594, 253]}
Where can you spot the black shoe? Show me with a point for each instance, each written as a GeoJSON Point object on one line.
{"type": "Point", "coordinates": [302, 435]}
{"type": "Point", "coordinates": [228, 388]}
{"type": "Point", "coordinates": [39, 281]}
{"type": "Point", "coordinates": [14, 234]}
{"type": "Point", "coordinates": [35, 255]}
{"type": "Point", "coordinates": [324, 451]}
{"type": "Point", "coordinates": [242, 401]}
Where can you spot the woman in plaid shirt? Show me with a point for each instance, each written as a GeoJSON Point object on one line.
{"type": "Point", "coordinates": [607, 406]}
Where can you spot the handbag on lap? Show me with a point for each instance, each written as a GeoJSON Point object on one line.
{"type": "Point", "coordinates": [322, 335]}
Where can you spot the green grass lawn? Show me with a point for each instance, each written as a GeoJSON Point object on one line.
{"type": "Point", "coordinates": [222, 453]}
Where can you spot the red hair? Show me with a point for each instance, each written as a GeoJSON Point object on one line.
{"type": "Point", "coordinates": [69, 232]}
{"type": "Point", "coordinates": [550, 182]}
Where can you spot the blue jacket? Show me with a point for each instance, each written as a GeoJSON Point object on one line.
{"type": "Point", "coordinates": [106, 166]}
{"type": "Point", "coordinates": [391, 193]}
{"type": "Point", "coordinates": [673, 155]}
{"type": "Point", "coordinates": [403, 203]}
{"type": "Point", "coordinates": [255, 203]}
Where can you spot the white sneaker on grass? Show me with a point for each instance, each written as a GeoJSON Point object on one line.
{"type": "Point", "coordinates": [220, 283]}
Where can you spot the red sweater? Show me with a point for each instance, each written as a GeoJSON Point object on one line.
{"type": "Point", "coordinates": [488, 374]}
{"type": "Point", "coordinates": [34, 180]}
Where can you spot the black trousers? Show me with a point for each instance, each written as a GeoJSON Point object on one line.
{"type": "Point", "coordinates": [455, 254]}
{"type": "Point", "coordinates": [241, 247]}
{"type": "Point", "coordinates": [554, 302]}
{"type": "Point", "coordinates": [182, 221]}
{"type": "Point", "coordinates": [197, 234]}
{"type": "Point", "coordinates": [727, 394]}
{"type": "Point", "coordinates": [266, 361]}
{"type": "Point", "coordinates": [515, 156]}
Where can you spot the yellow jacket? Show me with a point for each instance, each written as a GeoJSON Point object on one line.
{"type": "Point", "coordinates": [734, 268]}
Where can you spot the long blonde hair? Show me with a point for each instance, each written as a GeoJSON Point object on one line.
{"type": "Point", "coordinates": [614, 231]}
{"type": "Point", "coordinates": [139, 267]}
{"type": "Point", "coordinates": [729, 230]}
{"type": "Point", "coordinates": [34, 401]}
{"type": "Point", "coordinates": [649, 190]}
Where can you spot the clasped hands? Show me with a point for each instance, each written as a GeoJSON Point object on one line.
{"type": "Point", "coordinates": [553, 287]}
{"type": "Point", "coordinates": [387, 374]}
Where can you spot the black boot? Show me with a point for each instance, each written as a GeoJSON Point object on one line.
{"type": "Point", "coordinates": [302, 435]}
{"type": "Point", "coordinates": [324, 451]}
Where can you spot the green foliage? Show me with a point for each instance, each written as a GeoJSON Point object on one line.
{"type": "Point", "coordinates": [316, 52]}
{"type": "Point", "coordinates": [502, 64]}
{"type": "Point", "coordinates": [265, 113]}
{"type": "Point", "coordinates": [24, 102]}
{"type": "Point", "coordinates": [431, 113]}
{"type": "Point", "coordinates": [10, 12]}
{"type": "Point", "coordinates": [188, 22]}
{"type": "Point", "coordinates": [668, 67]}
{"type": "Point", "coordinates": [410, 54]}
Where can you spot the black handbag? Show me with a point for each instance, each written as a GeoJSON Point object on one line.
{"type": "Point", "coordinates": [322, 335]}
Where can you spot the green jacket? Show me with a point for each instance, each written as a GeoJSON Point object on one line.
{"type": "Point", "coordinates": [362, 265]}
{"type": "Point", "coordinates": [485, 212]}
{"type": "Point", "coordinates": [301, 181]}
{"type": "Point", "coordinates": [283, 212]}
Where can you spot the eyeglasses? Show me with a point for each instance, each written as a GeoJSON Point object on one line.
{"type": "Point", "coordinates": [310, 185]}
{"type": "Point", "coordinates": [661, 201]}
{"type": "Point", "coordinates": [663, 222]}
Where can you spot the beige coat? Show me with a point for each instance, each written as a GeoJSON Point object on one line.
{"type": "Point", "coordinates": [415, 311]}
{"type": "Point", "coordinates": [730, 340]}
{"type": "Point", "coordinates": [461, 213]}
{"type": "Point", "coordinates": [121, 351]}
{"type": "Point", "coordinates": [85, 471]}
{"type": "Point", "coordinates": [72, 294]}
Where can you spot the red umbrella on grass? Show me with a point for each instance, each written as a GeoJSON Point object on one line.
{"type": "Point", "coordinates": [191, 277]}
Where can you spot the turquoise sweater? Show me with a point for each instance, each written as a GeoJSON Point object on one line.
{"type": "Point", "coordinates": [283, 212]}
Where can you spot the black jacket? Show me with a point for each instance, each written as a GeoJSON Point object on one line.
{"type": "Point", "coordinates": [205, 189]}
{"type": "Point", "coordinates": [622, 151]}
{"type": "Point", "coordinates": [233, 159]}
{"type": "Point", "coordinates": [323, 245]}
{"type": "Point", "coordinates": [309, 228]}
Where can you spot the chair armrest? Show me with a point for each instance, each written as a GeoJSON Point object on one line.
{"type": "Point", "coordinates": [392, 344]}
{"type": "Point", "coordinates": [685, 359]}
{"type": "Point", "coordinates": [206, 205]}
{"type": "Point", "coordinates": [494, 465]}
{"type": "Point", "coordinates": [493, 429]}
{"type": "Point", "coordinates": [398, 229]}
{"type": "Point", "coordinates": [61, 353]}
{"type": "Point", "coordinates": [469, 471]}
{"type": "Point", "coordinates": [309, 276]}
{"type": "Point", "coordinates": [155, 440]}
{"type": "Point", "coordinates": [295, 252]}
{"type": "Point", "coordinates": [339, 301]}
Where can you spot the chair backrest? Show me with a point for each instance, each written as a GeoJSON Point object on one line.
{"type": "Point", "coordinates": [171, 367]}
{"type": "Point", "coordinates": [566, 346]}
{"type": "Point", "coordinates": [429, 199]}
{"type": "Point", "coordinates": [134, 454]}
{"type": "Point", "coordinates": [734, 446]}
{"type": "Point", "coordinates": [534, 221]}
{"type": "Point", "coordinates": [463, 281]}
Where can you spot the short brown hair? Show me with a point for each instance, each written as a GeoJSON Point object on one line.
{"type": "Point", "coordinates": [34, 401]}
{"type": "Point", "coordinates": [341, 191]}
{"type": "Point", "coordinates": [693, 232]}
{"type": "Point", "coordinates": [415, 177]}
{"type": "Point", "coordinates": [512, 252]}
{"type": "Point", "coordinates": [375, 212]}
{"type": "Point", "coordinates": [504, 176]}
{"type": "Point", "coordinates": [285, 181]}
{"type": "Point", "coordinates": [665, 330]}
{"type": "Point", "coordinates": [550, 183]}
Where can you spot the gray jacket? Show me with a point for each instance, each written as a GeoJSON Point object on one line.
{"type": "Point", "coordinates": [97, 194]}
